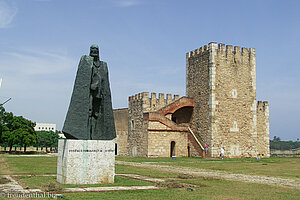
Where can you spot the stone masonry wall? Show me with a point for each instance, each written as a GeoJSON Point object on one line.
{"type": "Point", "coordinates": [159, 144]}
{"type": "Point", "coordinates": [137, 138]}
{"type": "Point", "coordinates": [197, 87]}
{"type": "Point", "coordinates": [137, 127]}
{"type": "Point", "coordinates": [222, 81]}
{"type": "Point", "coordinates": [234, 118]}
{"type": "Point", "coordinates": [121, 124]}
{"type": "Point", "coordinates": [195, 149]}
{"type": "Point", "coordinates": [263, 132]}
{"type": "Point", "coordinates": [153, 103]}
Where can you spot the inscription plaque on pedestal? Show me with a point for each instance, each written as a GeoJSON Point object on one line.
{"type": "Point", "coordinates": [86, 161]}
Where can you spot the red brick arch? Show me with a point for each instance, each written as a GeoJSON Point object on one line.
{"type": "Point", "coordinates": [180, 103]}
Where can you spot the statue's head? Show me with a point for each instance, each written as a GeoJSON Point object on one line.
{"type": "Point", "coordinates": [94, 51]}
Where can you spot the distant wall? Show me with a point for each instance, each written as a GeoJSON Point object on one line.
{"type": "Point", "coordinates": [121, 124]}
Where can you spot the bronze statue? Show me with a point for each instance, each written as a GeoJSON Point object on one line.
{"type": "Point", "coordinates": [90, 115]}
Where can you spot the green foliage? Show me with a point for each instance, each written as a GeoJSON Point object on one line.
{"type": "Point", "coordinates": [284, 145]}
{"type": "Point", "coordinates": [276, 138]}
{"type": "Point", "coordinates": [277, 144]}
{"type": "Point", "coordinates": [47, 138]}
{"type": "Point", "coordinates": [16, 130]}
{"type": "Point", "coordinates": [2, 125]}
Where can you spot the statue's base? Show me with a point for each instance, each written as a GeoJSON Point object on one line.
{"type": "Point", "coordinates": [85, 161]}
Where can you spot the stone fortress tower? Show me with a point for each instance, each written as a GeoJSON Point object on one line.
{"type": "Point", "coordinates": [219, 109]}
{"type": "Point", "coordinates": [222, 81]}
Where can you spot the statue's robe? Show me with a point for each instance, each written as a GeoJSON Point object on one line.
{"type": "Point", "coordinates": [78, 119]}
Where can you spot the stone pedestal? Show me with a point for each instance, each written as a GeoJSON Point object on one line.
{"type": "Point", "coordinates": [86, 161]}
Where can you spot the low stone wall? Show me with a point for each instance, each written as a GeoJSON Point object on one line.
{"type": "Point", "coordinates": [35, 149]}
{"type": "Point", "coordinates": [287, 153]}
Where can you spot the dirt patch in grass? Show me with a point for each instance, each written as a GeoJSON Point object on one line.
{"type": "Point", "coordinates": [186, 176]}
{"type": "Point", "coordinates": [4, 180]}
{"type": "Point", "coordinates": [170, 184]}
{"type": "Point", "coordinates": [173, 183]}
{"type": "Point", "coordinates": [52, 187]}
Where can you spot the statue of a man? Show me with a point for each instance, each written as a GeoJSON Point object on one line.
{"type": "Point", "coordinates": [90, 115]}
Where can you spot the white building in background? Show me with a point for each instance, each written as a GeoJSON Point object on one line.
{"type": "Point", "coordinates": [45, 127]}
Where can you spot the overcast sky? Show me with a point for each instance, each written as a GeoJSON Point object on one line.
{"type": "Point", "coordinates": [144, 43]}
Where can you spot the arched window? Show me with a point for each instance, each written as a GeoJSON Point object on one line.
{"type": "Point", "coordinates": [172, 153]}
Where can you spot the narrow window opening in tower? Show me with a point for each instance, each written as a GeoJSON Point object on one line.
{"type": "Point", "coordinates": [172, 152]}
{"type": "Point", "coordinates": [235, 127]}
{"type": "Point", "coordinates": [132, 124]}
{"type": "Point", "coordinates": [234, 93]}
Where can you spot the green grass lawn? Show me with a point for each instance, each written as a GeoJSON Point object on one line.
{"type": "Point", "coordinates": [208, 188]}
{"type": "Point", "coordinates": [31, 165]}
{"type": "Point", "coordinates": [47, 165]}
{"type": "Point", "coordinates": [37, 182]}
{"type": "Point", "coordinates": [214, 189]}
{"type": "Point", "coordinates": [121, 169]}
{"type": "Point", "coordinates": [274, 166]}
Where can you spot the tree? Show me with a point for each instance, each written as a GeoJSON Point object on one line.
{"type": "Point", "coordinates": [1, 122]}
{"type": "Point", "coordinates": [16, 130]}
{"type": "Point", "coordinates": [276, 138]}
{"type": "Point", "coordinates": [47, 139]}
{"type": "Point", "coordinates": [276, 143]}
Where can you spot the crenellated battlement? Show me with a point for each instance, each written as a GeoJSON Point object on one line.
{"type": "Point", "coordinates": [221, 48]}
{"type": "Point", "coordinates": [138, 96]}
{"type": "Point", "coordinates": [153, 96]}
{"type": "Point", "coordinates": [262, 106]}
{"type": "Point", "coordinates": [152, 102]}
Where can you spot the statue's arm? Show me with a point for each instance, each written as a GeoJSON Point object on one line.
{"type": "Point", "coordinates": [105, 70]}
{"type": "Point", "coordinates": [94, 85]}
{"type": "Point", "coordinates": [87, 62]}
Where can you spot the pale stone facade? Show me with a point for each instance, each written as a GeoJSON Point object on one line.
{"type": "Point", "coordinates": [220, 110]}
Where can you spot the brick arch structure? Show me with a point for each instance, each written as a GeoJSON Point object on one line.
{"type": "Point", "coordinates": [182, 115]}
{"type": "Point", "coordinates": [180, 103]}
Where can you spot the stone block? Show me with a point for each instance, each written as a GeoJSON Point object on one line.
{"type": "Point", "coordinates": [86, 161]}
